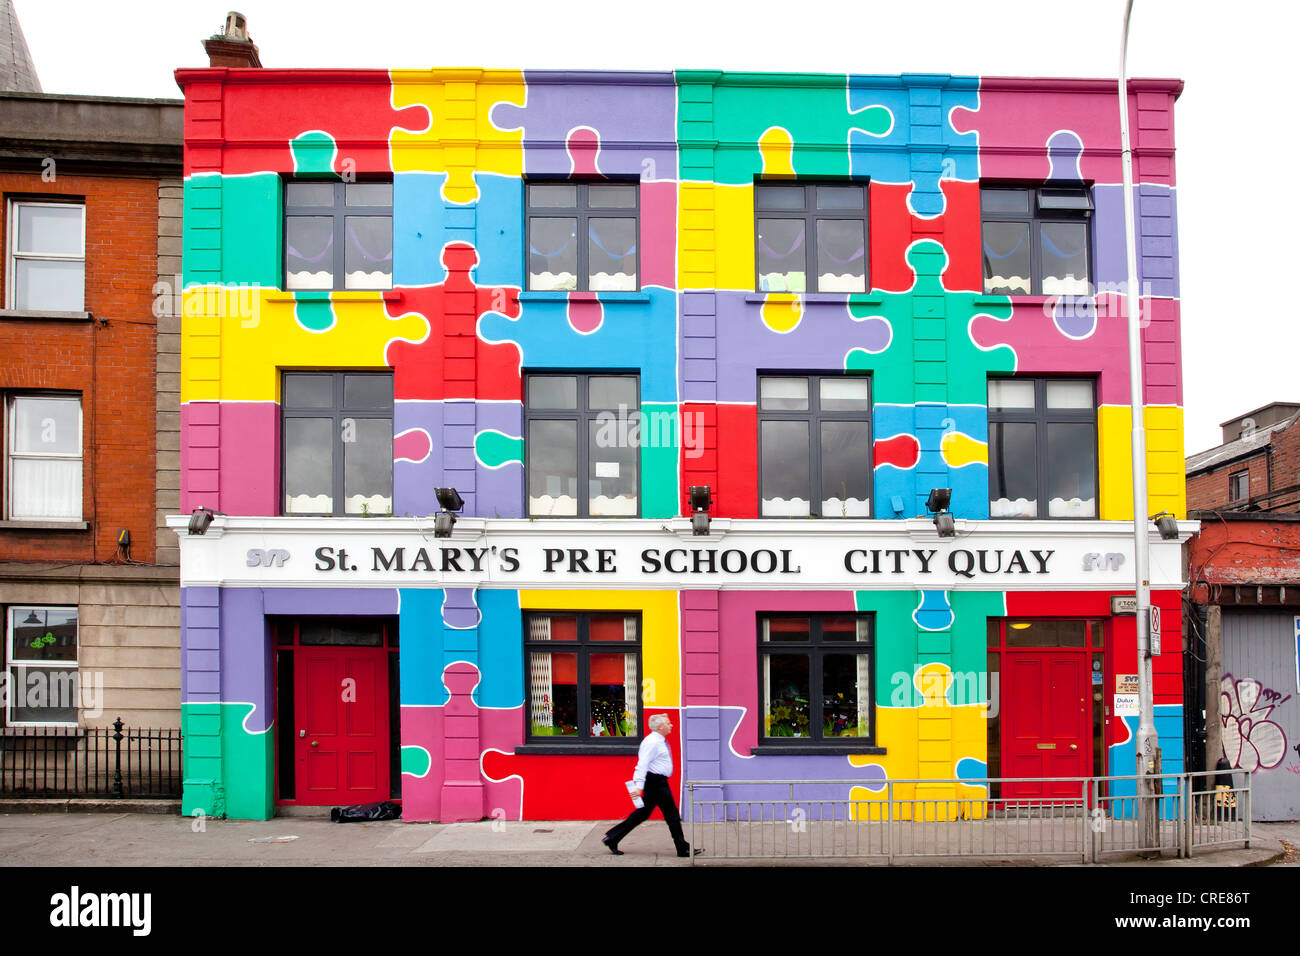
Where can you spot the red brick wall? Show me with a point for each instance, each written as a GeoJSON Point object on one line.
{"type": "Point", "coordinates": [1208, 490]}
{"type": "Point", "coordinates": [113, 366]}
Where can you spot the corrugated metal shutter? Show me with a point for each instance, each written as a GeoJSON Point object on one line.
{"type": "Point", "coordinates": [1260, 707]}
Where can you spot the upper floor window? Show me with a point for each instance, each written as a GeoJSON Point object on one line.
{"type": "Point", "coordinates": [816, 678]}
{"type": "Point", "coordinates": [583, 236]}
{"type": "Point", "coordinates": [582, 435]}
{"type": "Point", "coordinates": [1035, 240]}
{"type": "Point", "coordinates": [814, 446]}
{"type": "Point", "coordinates": [1042, 448]}
{"type": "Point", "coordinates": [43, 457]}
{"type": "Point", "coordinates": [822, 227]}
{"type": "Point", "coordinates": [338, 443]}
{"type": "Point", "coordinates": [584, 677]}
{"type": "Point", "coordinates": [338, 235]}
{"type": "Point", "coordinates": [41, 661]}
{"type": "Point", "coordinates": [47, 256]}
{"type": "Point", "coordinates": [1239, 486]}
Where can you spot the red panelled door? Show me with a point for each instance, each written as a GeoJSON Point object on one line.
{"type": "Point", "coordinates": [341, 725]}
{"type": "Point", "coordinates": [1046, 721]}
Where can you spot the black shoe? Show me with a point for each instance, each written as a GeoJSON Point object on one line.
{"type": "Point", "coordinates": [690, 853]}
{"type": "Point", "coordinates": [612, 844]}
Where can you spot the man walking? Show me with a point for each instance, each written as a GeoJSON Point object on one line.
{"type": "Point", "coordinates": [654, 765]}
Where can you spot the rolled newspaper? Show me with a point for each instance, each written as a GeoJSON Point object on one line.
{"type": "Point", "coordinates": [631, 789]}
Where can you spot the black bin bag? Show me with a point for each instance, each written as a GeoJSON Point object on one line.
{"type": "Point", "coordinates": [367, 812]}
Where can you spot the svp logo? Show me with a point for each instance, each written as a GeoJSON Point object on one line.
{"type": "Point", "coordinates": [75, 908]}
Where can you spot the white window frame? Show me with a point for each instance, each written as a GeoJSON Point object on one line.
{"type": "Point", "coordinates": [12, 688]}
{"type": "Point", "coordinates": [11, 431]}
{"type": "Point", "coordinates": [13, 253]}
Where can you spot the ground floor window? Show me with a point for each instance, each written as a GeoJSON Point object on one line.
{"type": "Point", "coordinates": [41, 659]}
{"type": "Point", "coordinates": [584, 676]}
{"type": "Point", "coordinates": [816, 678]}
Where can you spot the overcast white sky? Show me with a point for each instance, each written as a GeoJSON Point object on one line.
{"type": "Point", "coordinates": [1238, 60]}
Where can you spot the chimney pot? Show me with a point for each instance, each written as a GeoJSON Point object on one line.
{"type": "Point", "coordinates": [233, 47]}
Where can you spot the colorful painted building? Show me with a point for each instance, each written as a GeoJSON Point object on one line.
{"type": "Point", "coordinates": [820, 296]}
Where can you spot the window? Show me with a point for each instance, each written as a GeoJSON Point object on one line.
{"type": "Point", "coordinates": [338, 443]}
{"type": "Point", "coordinates": [814, 446]}
{"type": "Point", "coordinates": [338, 235]}
{"type": "Point", "coordinates": [43, 457]}
{"type": "Point", "coordinates": [1035, 240]}
{"type": "Point", "coordinates": [583, 236]}
{"type": "Point", "coordinates": [47, 256]}
{"type": "Point", "coordinates": [583, 433]}
{"type": "Point", "coordinates": [584, 677]}
{"type": "Point", "coordinates": [1042, 448]}
{"type": "Point", "coordinates": [826, 222]}
{"type": "Point", "coordinates": [816, 678]}
{"type": "Point", "coordinates": [41, 661]}
{"type": "Point", "coordinates": [1239, 486]}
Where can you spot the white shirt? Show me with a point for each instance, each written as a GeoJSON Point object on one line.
{"type": "Point", "coordinates": [653, 757]}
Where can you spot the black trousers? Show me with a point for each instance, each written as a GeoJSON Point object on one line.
{"type": "Point", "coordinates": [657, 794]}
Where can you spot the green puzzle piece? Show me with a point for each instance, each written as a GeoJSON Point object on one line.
{"type": "Point", "coordinates": [931, 357]}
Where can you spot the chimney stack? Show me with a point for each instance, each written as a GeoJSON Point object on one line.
{"type": "Point", "coordinates": [233, 47]}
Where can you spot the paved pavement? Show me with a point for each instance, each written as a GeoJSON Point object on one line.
{"type": "Point", "coordinates": [152, 839]}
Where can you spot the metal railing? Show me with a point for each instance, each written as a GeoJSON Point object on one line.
{"type": "Point", "coordinates": [1087, 818]}
{"type": "Point", "coordinates": [112, 762]}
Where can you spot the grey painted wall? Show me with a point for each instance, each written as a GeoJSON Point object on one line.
{"type": "Point", "coordinates": [1259, 707]}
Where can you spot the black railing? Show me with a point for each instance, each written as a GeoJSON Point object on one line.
{"type": "Point", "coordinates": [113, 762]}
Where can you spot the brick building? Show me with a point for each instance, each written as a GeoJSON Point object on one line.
{"type": "Point", "coordinates": [89, 387]}
{"type": "Point", "coordinates": [1244, 611]}
{"type": "Point", "coordinates": [1257, 468]}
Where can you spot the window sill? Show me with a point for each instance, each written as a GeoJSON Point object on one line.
{"type": "Point", "coordinates": [586, 750]}
{"type": "Point", "coordinates": [335, 295]}
{"type": "Point", "coordinates": [39, 314]}
{"type": "Point", "coordinates": [790, 750]}
{"type": "Point", "coordinates": [603, 297]}
{"type": "Point", "coordinates": [44, 525]}
{"type": "Point", "coordinates": [991, 298]}
{"type": "Point", "coordinates": [817, 298]}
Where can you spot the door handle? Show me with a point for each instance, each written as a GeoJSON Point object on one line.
{"type": "Point", "coordinates": [1072, 746]}
{"type": "Point", "coordinates": [315, 743]}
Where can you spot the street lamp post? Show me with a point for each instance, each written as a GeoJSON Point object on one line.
{"type": "Point", "coordinates": [1148, 752]}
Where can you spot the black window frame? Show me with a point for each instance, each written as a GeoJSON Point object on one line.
{"type": "Point", "coordinates": [583, 646]}
{"type": "Point", "coordinates": [583, 213]}
{"type": "Point", "coordinates": [1041, 417]}
{"type": "Point", "coordinates": [817, 649]}
{"type": "Point", "coordinates": [815, 416]}
{"type": "Point", "coordinates": [583, 416]}
{"type": "Point", "coordinates": [338, 212]}
{"type": "Point", "coordinates": [1234, 477]}
{"type": "Point", "coordinates": [1035, 215]}
{"type": "Point", "coordinates": [337, 412]}
{"type": "Point", "coordinates": [809, 215]}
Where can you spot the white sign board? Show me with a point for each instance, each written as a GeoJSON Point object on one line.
{"type": "Point", "coordinates": [1126, 705]}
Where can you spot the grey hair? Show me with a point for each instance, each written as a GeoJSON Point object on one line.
{"type": "Point", "coordinates": [657, 721]}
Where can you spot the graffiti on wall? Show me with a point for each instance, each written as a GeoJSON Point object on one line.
{"type": "Point", "coordinates": [1250, 740]}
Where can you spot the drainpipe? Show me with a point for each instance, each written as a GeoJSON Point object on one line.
{"type": "Point", "coordinates": [1148, 752]}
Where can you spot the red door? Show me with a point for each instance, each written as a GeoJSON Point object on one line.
{"type": "Point", "coordinates": [1046, 722]}
{"type": "Point", "coordinates": [341, 725]}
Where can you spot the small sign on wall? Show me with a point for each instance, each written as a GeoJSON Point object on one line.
{"type": "Point", "coordinates": [1126, 683]}
{"type": "Point", "coordinates": [1126, 705]}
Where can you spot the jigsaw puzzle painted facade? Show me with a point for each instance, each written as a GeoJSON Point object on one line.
{"type": "Point", "coordinates": [574, 296]}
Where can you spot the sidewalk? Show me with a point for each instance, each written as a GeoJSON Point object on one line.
{"type": "Point", "coordinates": [150, 839]}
